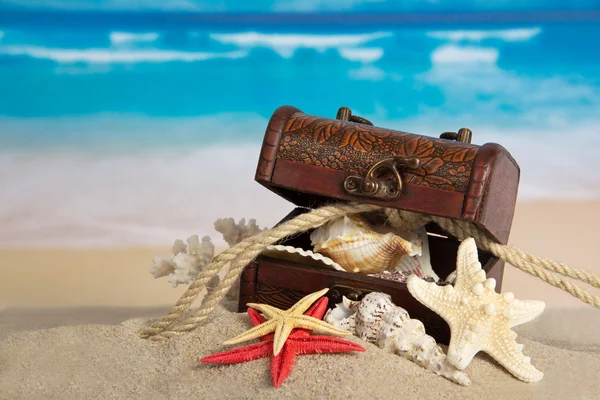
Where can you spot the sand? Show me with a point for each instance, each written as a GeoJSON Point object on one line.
{"type": "Point", "coordinates": [58, 339]}
{"type": "Point", "coordinates": [111, 362]}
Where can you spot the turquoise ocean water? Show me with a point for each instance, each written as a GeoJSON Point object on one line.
{"type": "Point", "coordinates": [110, 121]}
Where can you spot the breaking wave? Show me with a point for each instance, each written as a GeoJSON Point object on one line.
{"type": "Point", "coordinates": [285, 44]}
{"type": "Point", "coordinates": [127, 38]}
{"type": "Point", "coordinates": [508, 35]}
{"type": "Point", "coordinates": [112, 56]}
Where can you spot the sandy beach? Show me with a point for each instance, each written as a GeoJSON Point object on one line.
{"type": "Point", "coordinates": [127, 126]}
{"type": "Point", "coordinates": [33, 278]}
{"type": "Point", "coordinates": [58, 337]}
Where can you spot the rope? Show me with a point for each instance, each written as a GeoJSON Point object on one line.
{"type": "Point", "coordinates": [239, 256]}
{"type": "Point", "coordinates": [244, 252]}
{"type": "Point", "coordinates": [547, 270]}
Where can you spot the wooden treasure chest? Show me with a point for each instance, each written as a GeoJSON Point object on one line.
{"type": "Point", "coordinates": [312, 161]}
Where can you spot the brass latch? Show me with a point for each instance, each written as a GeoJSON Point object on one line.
{"type": "Point", "coordinates": [463, 135]}
{"type": "Point", "coordinates": [337, 291]}
{"type": "Point", "coordinates": [345, 114]}
{"type": "Point", "coordinates": [372, 184]}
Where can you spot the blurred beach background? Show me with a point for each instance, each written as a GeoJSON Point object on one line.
{"type": "Point", "coordinates": [125, 125]}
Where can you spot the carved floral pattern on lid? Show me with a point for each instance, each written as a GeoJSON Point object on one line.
{"type": "Point", "coordinates": [354, 148]}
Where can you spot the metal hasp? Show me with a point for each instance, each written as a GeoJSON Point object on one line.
{"type": "Point", "coordinates": [372, 185]}
{"type": "Point", "coordinates": [339, 291]}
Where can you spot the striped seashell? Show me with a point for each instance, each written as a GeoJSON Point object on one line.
{"type": "Point", "coordinates": [378, 320]}
{"type": "Point", "coordinates": [357, 248]}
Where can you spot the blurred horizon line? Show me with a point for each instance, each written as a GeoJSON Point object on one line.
{"type": "Point", "coordinates": [10, 16]}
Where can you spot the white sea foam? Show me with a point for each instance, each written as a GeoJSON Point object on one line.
{"type": "Point", "coordinates": [465, 76]}
{"type": "Point", "coordinates": [452, 54]}
{"type": "Point", "coordinates": [126, 38]}
{"type": "Point", "coordinates": [286, 44]}
{"type": "Point", "coordinates": [508, 35]}
{"type": "Point", "coordinates": [76, 198]}
{"type": "Point", "coordinates": [361, 54]}
{"type": "Point", "coordinates": [113, 56]}
{"type": "Point", "coordinates": [79, 200]}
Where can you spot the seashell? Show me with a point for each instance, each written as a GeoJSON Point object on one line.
{"type": "Point", "coordinates": [419, 264]}
{"type": "Point", "coordinates": [360, 248]}
{"type": "Point", "coordinates": [351, 243]}
{"type": "Point", "coordinates": [378, 320]}
{"type": "Point", "coordinates": [297, 254]}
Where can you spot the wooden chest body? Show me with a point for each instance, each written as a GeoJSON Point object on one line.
{"type": "Point", "coordinates": [309, 161]}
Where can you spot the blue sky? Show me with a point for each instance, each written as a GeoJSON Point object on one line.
{"type": "Point", "coordinates": [399, 6]}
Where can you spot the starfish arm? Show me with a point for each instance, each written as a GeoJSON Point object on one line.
{"type": "Point", "coordinates": [324, 344]}
{"type": "Point", "coordinates": [305, 302]}
{"type": "Point", "coordinates": [468, 266]}
{"type": "Point", "coordinates": [443, 300]}
{"type": "Point", "coordinates": [282, 332]}
{"type": "Point", "coordinates": [460, 350]}
{"type": "Point", "coordinates": [282, 364]}
{"type": "Point", "coordinates": [520, 312]}
{"type": "Point", "coordinates": [243, 354]}
{"type": "Point", "coordinates": [269, 311]}
{"type": "Point", "coordinates": [254, 333]}
{"type": "Point", "coordinates": [255, 317]}
{"type": "Point", "coordinates": [256, 320]}
{"type": "Point", "coordinates": [313, 324]}
{"type": "Point", "coordinates": [318, 309]}
{"type": "Point", "coordinates": [509, 355]}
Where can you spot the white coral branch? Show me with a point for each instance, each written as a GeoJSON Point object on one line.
{"type": "Point", "coordinates": [187, 261]}
{"type": "Point", "coordinates": [234, 233]}
{"type": "Point", "coordinates": [161, 266]}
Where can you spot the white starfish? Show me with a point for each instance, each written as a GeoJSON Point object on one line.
{"type": "Point", "coordinates": [479, 318]}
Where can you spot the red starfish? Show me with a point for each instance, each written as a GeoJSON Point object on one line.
{"type": "Point", "coordinates": [300, 341]}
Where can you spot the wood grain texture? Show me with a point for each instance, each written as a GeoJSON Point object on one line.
{"type": "Point", "coordinates": [355, 148]}
{"type": "Point", "coordinates": [297, 177]}
{"type": "Point", "coordinates": [281, 283]}
{"type": "Point", "coordinates": [498, 206]}
{"type": "Point", "coordinates": [248, 285]}
{"type": "Point", "coordinates": [266, 162]}
{"type": "Point", "coordinates": [306, 159]}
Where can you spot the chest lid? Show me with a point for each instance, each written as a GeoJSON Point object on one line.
{"type": "Point", "coordinates": [312, 160]}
